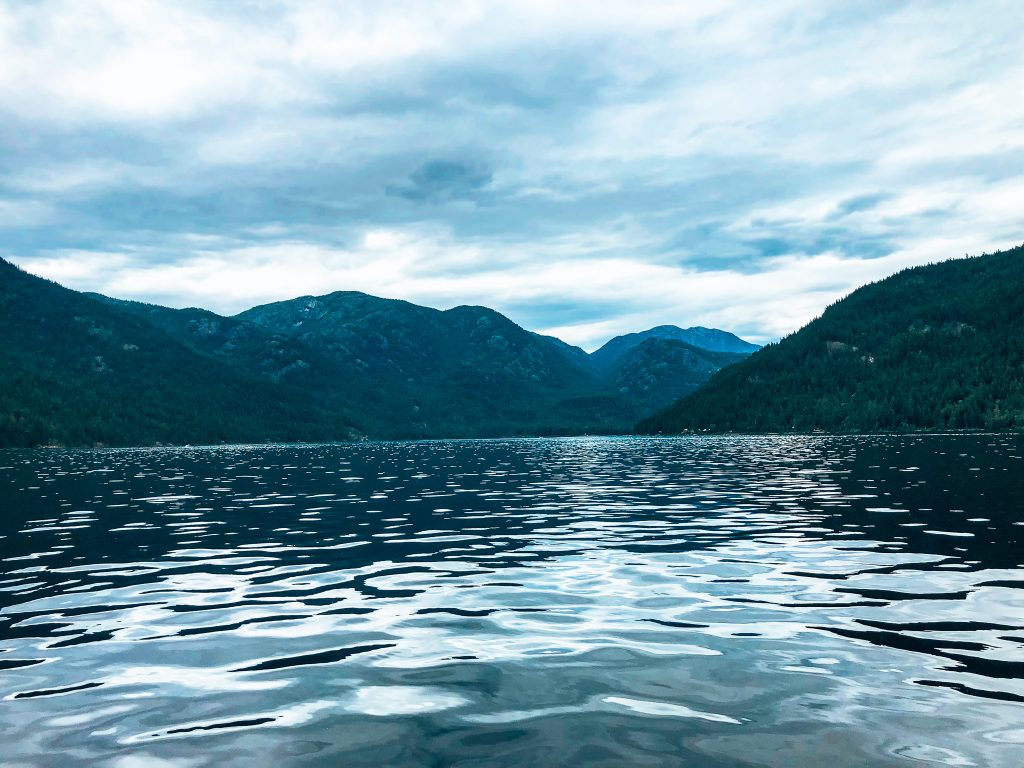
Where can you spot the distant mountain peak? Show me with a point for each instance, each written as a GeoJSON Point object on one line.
{"type": "Point", "coordinates": [708, 339]}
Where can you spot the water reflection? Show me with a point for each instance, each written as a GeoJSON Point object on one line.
{"type": "Point", "coordinates": [718, 601]}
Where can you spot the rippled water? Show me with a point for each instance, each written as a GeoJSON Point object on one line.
{"type": "Point", "coordinates": [606, 602]}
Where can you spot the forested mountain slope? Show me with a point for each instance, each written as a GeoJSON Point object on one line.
{"type": "Point", "coordinates": [77, 371]}
{"type": "Point", "coordinates": [81, 369]}
{"type": "Point", "coordinates": [933, 347]}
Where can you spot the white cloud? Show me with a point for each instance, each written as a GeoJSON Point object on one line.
{"type": "Point", "coordinates": [634, 156]}
{"type": "Point", "coordinates": [15, 214]}
{"type": "Point", "coordinates": [788, 292]}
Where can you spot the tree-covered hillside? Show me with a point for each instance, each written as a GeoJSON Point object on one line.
{"type": "Point", "coordinates": [421, 372]}
{"type": "Point", "coordinates": [934, 347]}
{"type": "Point", "coordinates": [77, 371]}
{"type": "Point", "coordinates": [470, 371]}
{"type": "Point", "coordinates": [659, 370]}
{"type": "Point", "coordinates": [80, 369]}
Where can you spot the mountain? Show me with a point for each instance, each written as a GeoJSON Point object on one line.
{"type": "Point", "coordinates": [653, 368]}
{"type": "Point", "coordinates": [708, 339]}
{"type": "Point", "coordinates": [79, 369]}
{"type": "Point", "coordinates": [498, 375]}
{"type": "Point", "coordinates": [243, 345]}
{"type": "Point", "coordinates": [658, 371]}
{"type": "Point", "coordinates": [931, 348]}
{"type": "Point", "coordinates": [467, 371]}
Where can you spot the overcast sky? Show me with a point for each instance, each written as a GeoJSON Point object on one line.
{"type": "Point", "coordinates": [587, 168]}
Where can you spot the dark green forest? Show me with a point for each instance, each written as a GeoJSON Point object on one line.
{"type": "Point", "coordinates": [83, 369]}
{"type": "Point", "coordinates": [75, 371]}
{"type": "Point", "coordinates": [935, 347]}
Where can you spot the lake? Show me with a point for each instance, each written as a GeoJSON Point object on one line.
{"type": "Point", "coordinates": [734, 601]}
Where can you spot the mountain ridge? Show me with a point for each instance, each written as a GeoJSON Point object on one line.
{"type": "Point", "coordinates": [933, 347]}
{"type": "Point", "coordinates": [709, 339]}
{"type": "Point", "coordinates": [338, 366]}
{"type": "Point", "coordinates": [77, 371]}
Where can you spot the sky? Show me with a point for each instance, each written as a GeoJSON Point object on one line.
{"type": "Point", "coordinates": [586, 168]}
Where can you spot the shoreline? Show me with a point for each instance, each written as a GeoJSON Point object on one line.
{"type": "Point", "coordinates": [495, 438]}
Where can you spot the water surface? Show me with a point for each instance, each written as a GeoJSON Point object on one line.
{"type": "Point", "coordinates": [609, 602]}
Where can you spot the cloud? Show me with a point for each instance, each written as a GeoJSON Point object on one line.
{"type": "Point", "coordinates": [858, 203]}
{"type": "Point", "coordinates": [439, 180]}
{"type": "Point", "coordinates": [576, 289]}
{"type": "Point", "coordinates": [590, 169]}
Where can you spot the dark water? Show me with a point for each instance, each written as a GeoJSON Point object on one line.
{"type": "Point", "coordinates": [606, 602]}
